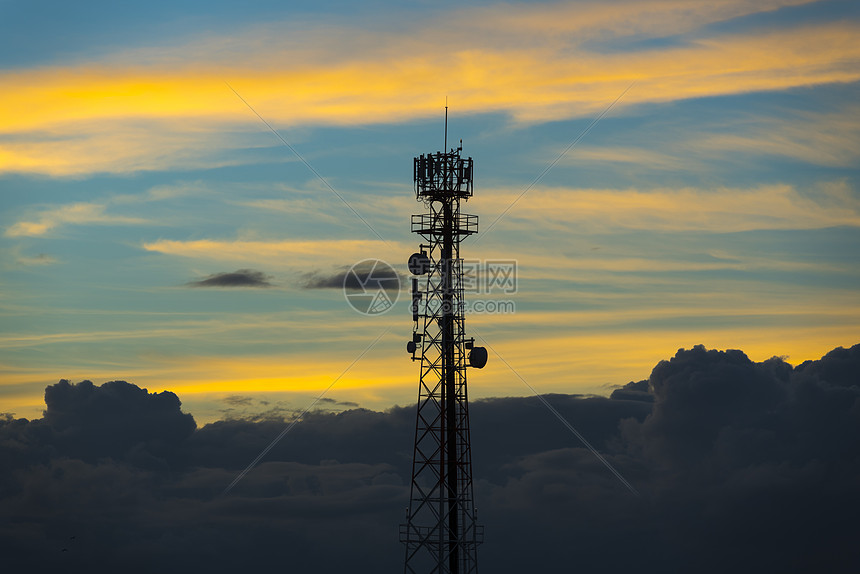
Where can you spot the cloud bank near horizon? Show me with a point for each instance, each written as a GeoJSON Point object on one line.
{"type": "Point", "coordinates": [757, 457]}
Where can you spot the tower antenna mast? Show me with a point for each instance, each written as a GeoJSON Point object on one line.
{"type": "Point", "coordinates": [441, 533]}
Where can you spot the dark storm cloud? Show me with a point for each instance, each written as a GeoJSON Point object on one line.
{"type": "Point", "coordinates": [351, 277]}
{"type": "Point", "coordinates": [116, 420]}
{"type": "Point", "coordinates": [239, 278]}
{"type": "Point", "coordinates": [742, 466]}
{"type": "Point", "coordinates": [90, 422]}
{"type": "Point", "coordinates": [335, 280]}
{"type": "Point", "coordinates": [633, 391]}
{"type": "Point", "coordinates": [838, 367]}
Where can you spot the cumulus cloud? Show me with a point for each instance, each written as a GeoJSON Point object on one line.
{"type": "Point", "coordinates": [239, 278]}
{"type": "Point", "coordinates": [750, 464]}
{"type": "Point", "coordinates": [633, 391]}
{"type": "Point", "coordinates": [117, 420]}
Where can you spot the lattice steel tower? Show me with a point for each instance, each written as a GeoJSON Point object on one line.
{"type": "Point", "coordinates": [440, 533]}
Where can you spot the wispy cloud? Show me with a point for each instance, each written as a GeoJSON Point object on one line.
{"type": "Point", "coordinates": [691, 209]}
{"type": "Point", "coordinates": [74, 214]}
{"type": "Point", "coordinates": [40, 259]}
{"type": "Point", "coordinates": [828, 136]}
{"type": "Point", "coordinates": [823, 137]}
{"type": "Point", "coordinates": [628, 155]}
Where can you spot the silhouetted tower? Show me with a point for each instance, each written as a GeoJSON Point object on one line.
{"type": "Point", "coordinates": [441, 534]}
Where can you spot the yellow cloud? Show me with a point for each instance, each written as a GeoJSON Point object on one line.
{"type": "Point", "coordinates": [299, 253]}
{"type": "Point", "coordinates": [137, 111]}
{"type": "Point", "coordinates": [76, 213]}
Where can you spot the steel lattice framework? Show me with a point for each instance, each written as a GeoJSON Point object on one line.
{"type": "Point", "coordinates": [440, 533]}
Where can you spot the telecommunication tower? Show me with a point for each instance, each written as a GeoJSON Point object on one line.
{"type": "Point", "coordinates": [441, 533]}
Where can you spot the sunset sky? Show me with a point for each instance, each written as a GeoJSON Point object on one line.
{"type": "Point", "coordinates": [717, 202]}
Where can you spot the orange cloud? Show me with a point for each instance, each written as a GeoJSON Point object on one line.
{"type": "Point", "coordinates": [148, 112]}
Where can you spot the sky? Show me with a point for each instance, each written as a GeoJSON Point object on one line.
{"type": "Point", "coordinates": [185, 185]}
{"type": "Point", "coordinates": [663, 173]}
